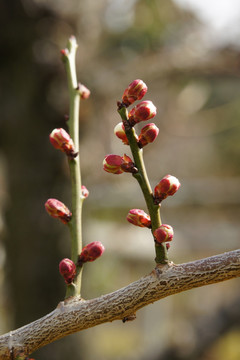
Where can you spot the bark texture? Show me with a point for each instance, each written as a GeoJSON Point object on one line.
{"type": "Point", "coordinates": [77, 314]}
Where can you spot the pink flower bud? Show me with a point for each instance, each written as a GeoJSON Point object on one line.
{"type": "Point", "coordinates": [135, 91]}
{"type": "Point", "coordinates": [167, 186]}
{"type": "Point", "coordinates": [57, 209]}
{"type": "Point", "coordinates": [85, 191]}
{"type": "Point", "coordinates": [84, 91]}
{"type": "Point", "coordinates": [116, 164]}
{"type": "Point", "coordinates": [61, 140]}
{"type": "Point", "coordinates": [148, 134]}
{"type": "Point", "coordinates": [112, 164]}
{"type": "Point", "coordinates": [91, 252]}
{"type": "Point", "coordinates": [67, 269]}
{"type": "Point", "coordinates": [119, 131]}
{"type": "Point", "coordinates": [139, 218]}
{"type": "Point", "coordinates": [163, 233]}
{"type": "Point", "coordinates": [144, 111]}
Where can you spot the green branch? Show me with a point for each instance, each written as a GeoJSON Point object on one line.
{"type": "Point", "coordinates": [74, 164]}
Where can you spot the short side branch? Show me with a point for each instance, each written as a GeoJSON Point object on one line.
{"type": "Point", "coordinates": [77, 314]}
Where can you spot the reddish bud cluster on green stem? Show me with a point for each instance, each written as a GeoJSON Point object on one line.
{"type": "Point", "coordinates": [57, 209]}
{"type": "Point", "coordinates": [139, 218]}
{"type": "Point", "coordinates": [91, 252]}
{"type": "Point", "coordinates": [67, 269]}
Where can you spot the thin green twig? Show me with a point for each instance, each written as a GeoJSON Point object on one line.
{"type": "Point", "coordinates": [74, 164]}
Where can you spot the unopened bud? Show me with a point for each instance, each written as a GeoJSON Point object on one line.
{"type": "Point", "coordinates": [166, 187]}
{"type": "Point", "coordinates": [83, 91]}
{"type": "Point", "coordinates": [85, 191]}
{"type": "Point", "coordinates": [61, 140]}
{"type": "Point", "coordinates": [91, 252]}
{"type": "Point", "coordinates": [148, 134]}
{"type": "Point", "coordinates": [163, 234]}
{"type": "Point", "coordinates": [144, 111]}
{"type": "Point", "coordinates": [135, 91]}
{"type": "Point", "coordinates": [116, 164]}
{"type": "Point", "coordinates": [139, 218]}
{"type": "Point", "coordinates": [119, 131]}
{"type": "Point", "coordinates": [57, 209]}
{"type": "Point", "coordinates": [67, 269]}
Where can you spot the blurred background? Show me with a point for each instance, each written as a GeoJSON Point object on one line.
{"type": "Point", "coordinates": [188, 53]}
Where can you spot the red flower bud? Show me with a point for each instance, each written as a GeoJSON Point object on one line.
{"type": "Point", "coordinates": [135, 91]}
{"type": "Point", "coordinates": [163, 233]}
{"type": "Point", "coordinates": [67, 269]}
{"type": "Point", "coordinates": [139, 218]}
{"type": "Point", "coordinates": [145, 110]}
{"type": "Point", "coordinates": [119, 131]}
{"type": "Point", "coordinates": [57, 209]}
{"type": "Point", "coordinates": [85, 191]}
{"type": "Point", "coordinates": [116, 164]}
{"type": "Point", "coordinates": [83, 91]}
{"type": "Point", "coordinates": [112, 164]}
{"type": "Point", "coordinates": [148, 134]}
{"type": "Point", "coordinates": [167, 186]}
{"type": "Point", "coordinates": [91, 252]}
{"type": "Point", "coordinates": [61, 140]}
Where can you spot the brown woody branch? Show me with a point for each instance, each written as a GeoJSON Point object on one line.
{"type": "Point", "coordinates": [77, 314]}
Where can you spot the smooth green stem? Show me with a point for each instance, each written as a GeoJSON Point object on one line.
{"type": "Point", "coordinates": [142, 178]}
{"type": "Point", "coordinates": [75, 224]}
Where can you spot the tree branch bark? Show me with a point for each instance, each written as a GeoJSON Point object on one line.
{"type": "Point", "coordinates": [77, 314]}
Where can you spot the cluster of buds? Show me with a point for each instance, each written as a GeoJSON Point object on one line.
{"type": "Point", "coordinates": [116, 164]}
{"type": "Point", "coordinates": [91, 252]}
{"type": "Point", "coordinates": [61, 140]}
{"type": "Point", "coordinates": [57, 209]}
{"type": "Point", "coordinates": [67, 269]}
{"type": "Point", "coordinates": [168, 186]}
{"type": "Point", "coordinates": [139, 218]}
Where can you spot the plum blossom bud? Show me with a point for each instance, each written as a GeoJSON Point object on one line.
{"type": "Point", "coordinates": [139, 218]}
{"type": "Point", "coordinates": [61, 140]}
{"type": "Point", "coordinates": [144, 111]}
{"type": "Point", "coordinates": [83, 91]}
{"type": "Point", "coordinates": [167, 186]}
{"type": "Point", "coordinates": [67, 269]}
{"type": "Point", "coordinates": [85, 191]}
{"type": "Point", "coordinates": [112, 164]}
{"type": "Point", "coordinates": [57, 209]}
{"type": "Point", "coordinates": [135, 91]}
{"type": "Point", "coordinates": [148, 134]}
{"type": "Point", "coordinates": [116, 164]}
{"type": "Point", "coordinates": [119, 131]}
{"type": "Point", "coordinates": [163, 233]}
{"type": "Point", "coordinates": [91, 252]}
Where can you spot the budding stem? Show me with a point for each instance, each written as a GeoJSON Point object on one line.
{"type": "Point", "coordinates": [142, 178]}
{"type": "Point", "coordinates": [74, 164]}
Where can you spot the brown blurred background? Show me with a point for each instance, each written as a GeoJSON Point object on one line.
{"type": "Point", "coordinates": [192, 69]}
